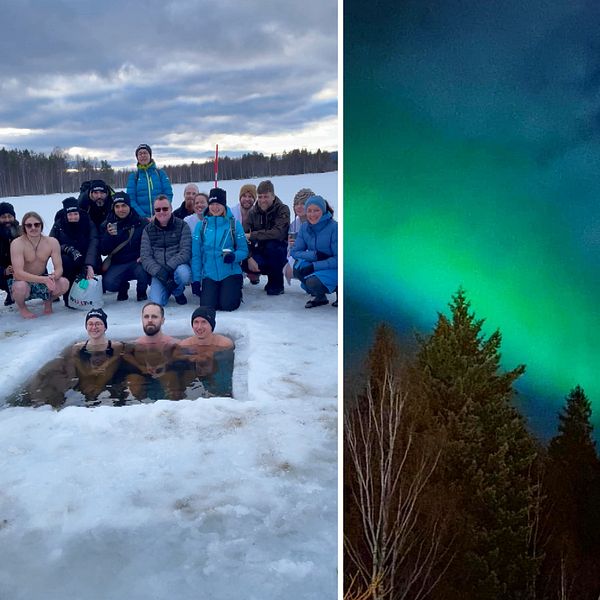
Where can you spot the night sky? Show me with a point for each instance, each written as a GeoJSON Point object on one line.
{"type": "Point", "coordinates": [471, 158]}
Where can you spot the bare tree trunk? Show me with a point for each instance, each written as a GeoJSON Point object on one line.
{"type": "Point", "coordinates": [392, 465]}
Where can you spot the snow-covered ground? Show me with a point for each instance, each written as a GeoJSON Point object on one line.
{"type": "Point", "coordinates": [211, 499]}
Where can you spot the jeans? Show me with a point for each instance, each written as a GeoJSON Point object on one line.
{"type": "Point", "coordinates": [158, 292]}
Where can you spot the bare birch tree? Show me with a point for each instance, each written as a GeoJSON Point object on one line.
{"type": "Point", "coordinates": [399, 551]}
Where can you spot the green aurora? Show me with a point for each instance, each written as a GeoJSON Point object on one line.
{"type": "Point", "coordinates": [429, 208]}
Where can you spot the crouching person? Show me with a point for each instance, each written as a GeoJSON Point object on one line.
{"type": "Point", "coordinates": [29, 255]}
{"type": "Point", "coordinates": [121, 238]}
{"type": "Point", "coordinates": [267, 234]}
{"type": "Point", "coordinates": [218, 247]}
{"type": "Point", "coordinates": [166, 252]}
{"type": "Point", "coordinates": [78, 239]}
{"type": "Point", "coordinates": [315, 251]}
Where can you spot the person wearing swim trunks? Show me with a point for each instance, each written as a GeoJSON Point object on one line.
{"type": "Point", "coordinates": [29, 255]}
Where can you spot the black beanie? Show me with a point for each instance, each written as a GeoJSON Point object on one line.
{"type": "Point", "coordinates": [99, 314]}
{"type": "Point", "coordinates": [70, 204]}
{"type": "Point", "coordinates": [121, 197]}
{"type": "Point", "coordinates": [207, 313]}
{"type": "Point", "coordinates": [217, 195]}
{"type": "Point", "coordinates": [7, 208]}
{"type": "Point", "coordinates": [143, 147]}
{"type": "Point", "coordinates": [97, 185]}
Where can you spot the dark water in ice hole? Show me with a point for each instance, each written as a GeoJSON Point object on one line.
{"type": "Point", "coordinates": [136, 375]}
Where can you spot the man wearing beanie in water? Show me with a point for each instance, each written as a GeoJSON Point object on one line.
{"type": "Point", "coordinates": [203, 324]}
{"type": "Point", "coordinates": [9, 230]}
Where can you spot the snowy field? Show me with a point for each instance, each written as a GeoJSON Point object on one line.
{"type": "Point", "coordinates": [221, 498]}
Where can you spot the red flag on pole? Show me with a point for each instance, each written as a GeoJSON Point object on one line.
{"type": "Point", "coordinates": [216, 164]}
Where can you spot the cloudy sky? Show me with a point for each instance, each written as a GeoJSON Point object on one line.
{"type": "Point", "coordinates": [97, 79]}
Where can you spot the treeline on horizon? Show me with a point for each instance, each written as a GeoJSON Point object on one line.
{"type": "Point", "coordinates": [447, 494]}
{"type": "Point", "coordinates": [24, 172]}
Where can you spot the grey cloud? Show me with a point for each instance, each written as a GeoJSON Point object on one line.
{"type": "Point", "coordinates": [224, 54]}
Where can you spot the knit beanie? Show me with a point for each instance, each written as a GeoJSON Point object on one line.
{"type": "Point", "coordinates": [207, 313]}
{"type": "Point", "coordinates": [97, 185]}
{"type": "Point", "coordinates": [303, 195]}
{"type": "Point", "coordinates": [122, 197]}
{"type": "Point", "coordinates": [7, 208]}
{"type": "Point", "coordinates": [70, 204]}
{"type": "Point", "coordinates": [143, 147]}
{"type": "Point", "coordinates": [99, 314]}
{"type": "Point", "coordinates": [249, 188]}
{"type": "Point", "coordinates": [318, 201]}
{"type": "Point", "coordinates": [217, 195]}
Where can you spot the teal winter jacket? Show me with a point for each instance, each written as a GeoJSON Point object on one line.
{"type": "Point", "coordinates": [211, 236]}
{"type": "Point", "coordinates": [144, 185]}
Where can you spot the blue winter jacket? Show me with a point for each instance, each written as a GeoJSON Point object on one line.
{"type": "Point", "coordinates": [321, 236]}
{"type": "Point", "coordinates": [212, 235]}
{"type": "Point", "coordinates": [144, 185]}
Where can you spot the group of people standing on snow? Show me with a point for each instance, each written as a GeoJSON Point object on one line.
{"type": "Point", "coordinates": [204, 242]}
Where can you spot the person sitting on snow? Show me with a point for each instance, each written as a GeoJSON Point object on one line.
{"type": "Point", "coordinates": [266, 232]}
{"type": "Point", "coordinates": [9, 230]}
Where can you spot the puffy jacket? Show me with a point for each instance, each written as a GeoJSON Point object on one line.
{"type": "Point", "coordinates": [322, 237]}
{"type": "Point", "coordinates": [169, 246]}
{"type": "Point", "coordinates": [82, 235]}
{"type": "Point", "coordinates": [211, 236]}
{"type": "Point", "coordinates": [131, 250]}
{"type": "Point", "coordinates": [7, 235]}
{"type": "Point", "coordinates": [144, 185]}
{"type": "Point", "coordinates": [272, 224]}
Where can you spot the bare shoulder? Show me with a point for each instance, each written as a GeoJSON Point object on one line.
{"type": "Point", "coordinates": [190, 341]}
{"type": "Point", "coordinates": [222, 341]}
{"type": "Point", "coordinates": [17, 243]}
{"type": "Point", "coordinates": [51, 242]}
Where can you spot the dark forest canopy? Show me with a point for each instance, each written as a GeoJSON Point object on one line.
{"type": "Point", "coordinates": [26, 172]}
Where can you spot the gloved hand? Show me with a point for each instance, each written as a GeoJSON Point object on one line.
{"type": "Point", "coordinates": [196, 288]}
{"type": "Point", "coordinates": [306, 270]}
{"type": "Point", "coordinates": [229, 258]}
{"type": "Point", "coordinates": [73, 253]}
{"type": "Point", "coordinates": [164, 275]}
{"type": "Point", "coordinates": [170, 285]}
{"type": "Point", "coordinates": [322, 255]}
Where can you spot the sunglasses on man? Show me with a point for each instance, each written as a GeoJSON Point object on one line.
{"type": "Point", "coordinates": [162, 209]}
{"type": "Point", "coordinates": [32, 225]}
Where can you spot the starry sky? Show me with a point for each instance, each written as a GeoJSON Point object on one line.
{"type": "Point", "coordinates": [471, 158]}
{"type": "Point", "coordinates": [98, 78]}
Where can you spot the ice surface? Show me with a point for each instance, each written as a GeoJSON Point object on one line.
{"type": "Point", "coordinates": [218, 499]}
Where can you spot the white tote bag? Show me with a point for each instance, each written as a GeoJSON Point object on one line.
{"type": "Point", "coordinates": [86, 294]}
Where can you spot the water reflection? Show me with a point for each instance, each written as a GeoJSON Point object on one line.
{"type": "Point", "coordinates": [128, 374]}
